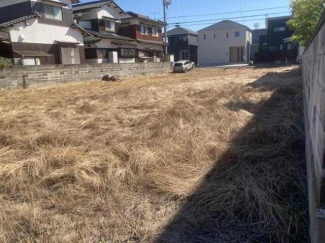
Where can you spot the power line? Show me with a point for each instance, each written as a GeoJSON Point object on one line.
{"type": "Point", "coordinates": [205, 20]}
{"type": "Point", "coordinates": [219, 13]}
{"type": "Point", "coordinates": [241, 21]}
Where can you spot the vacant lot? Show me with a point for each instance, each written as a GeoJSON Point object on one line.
{"type": "Point", "coordinates": [213, 155]}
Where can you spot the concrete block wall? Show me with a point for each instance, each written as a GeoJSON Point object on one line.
{"type": "Point", "coordinates": [313, 63]}
{"type": "Point", "coordinates": [19, 77]}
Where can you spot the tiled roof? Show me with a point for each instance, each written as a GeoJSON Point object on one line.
{"type": "Point", "coordinates": [19, 20]}
{"type": "Point", "coordinates": [180, 31]}
{"type": "Point", "coordinates": [109, 36]}
{"type": "Point", "coordinates": [225, 24]}
{"type": "Point", "coordinates": [94, 4]}
{"type": "Point", "coordinates": [76, 26]}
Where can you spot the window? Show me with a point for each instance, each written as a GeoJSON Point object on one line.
{"type": "Point", "coordinates": [227, 35]}
{"type": "Point", "coordinates": [273, 48]}
{"type": "Point", "coordinates": [155, 32]}
{"type": "Point", "coordinates": [109, 26]}
{"type": "Point", "coordinates": [144, 30]}
{"type": "Point", "coordinates": [281, 47]}
{"type": "Point", "coordinates": [170, 40]}
{"type": "Point", "coordinates": [264, 46]}
{"type": "Point", "coordinates": [53, 12]}
{"type": "Point", "coordinates": [183, 38]}
{"type": "Point", "coordinates": [289, 46]}
{"type": "Point", "coordinates": [239, 34]}
{"type": "Point", "coordinates": [205, 37]}
{"type": "Point", "coordinates": [127, 52]}
{"type": "Point", "coordinates": [279, 29]}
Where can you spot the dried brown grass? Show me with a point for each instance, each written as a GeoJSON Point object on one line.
{"type": "Point", "coordinates": [115, 162]}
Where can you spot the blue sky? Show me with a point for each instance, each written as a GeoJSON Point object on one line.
{"type": "Point", "coordinates": [211, 10]}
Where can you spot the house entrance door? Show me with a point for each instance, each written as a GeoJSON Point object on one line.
{"type": "Point", "coordinates": [236, 54]}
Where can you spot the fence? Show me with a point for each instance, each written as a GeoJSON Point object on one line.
{"type": "Point", "coordinates": [19, 77]}
{"type": "Point", "coordinates": [313, 63]}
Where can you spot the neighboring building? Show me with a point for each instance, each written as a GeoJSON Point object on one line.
{"type": "Point", "coordinates": [255, 47]}
{"type": "Point", "coordinates": [277, 45]}
{"type": "Point", "coordinates": [183, 43]}
{"type": "Point", "coordinates": [148, 34]}
{"type": "Point", "coordinates": [102, 19]}
{"type": "Point", "coordinates": [224, 42]}
{"type": "Point", "coordinates": [36, 32]}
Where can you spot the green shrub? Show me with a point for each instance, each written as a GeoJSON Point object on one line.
{"type": "Point", "coordinates": [5, 62]}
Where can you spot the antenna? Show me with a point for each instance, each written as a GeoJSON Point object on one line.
{"type": "Point", "coordinates": [154, 14]}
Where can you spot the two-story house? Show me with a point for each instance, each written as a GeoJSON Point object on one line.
{"type": "Point", "coordinates": [255, 47]}
{"type": "Point", "coordinates": [148, 34]}
{"type": "Point", "coordinates": [102, 19]}
{"type": "Point", "coordinates": [34, 32]}
{"type": "Point", "coordinates": [183, 43]}
{"type": "Point", "coordinates": [277, 45]}
{"type": "Point", "coordinates": [224, 42]}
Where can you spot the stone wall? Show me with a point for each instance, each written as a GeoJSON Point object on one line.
{"type": "Point", "coordinates": [19, 77]}
{"type": "Point", "coordinates": [313, 63]}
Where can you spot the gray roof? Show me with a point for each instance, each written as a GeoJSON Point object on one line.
{"type": "Point", "coordinates": [181, 31]}
{"type": "Point", "coordinates": [132, 15]}
{"type": "Point", "coordinates": [225, 24]}
{"type": "Point", "coordinates": [95, 4]}
{"type": "Point", "coordinates": [109, 35]}
{"type": "Point", "coordinates": [19, 20]}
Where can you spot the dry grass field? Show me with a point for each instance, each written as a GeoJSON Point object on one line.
{"type": "Point", "coordinates": [214, 155]}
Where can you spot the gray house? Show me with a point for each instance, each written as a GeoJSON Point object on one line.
{"type": "Point", "coordinates": [183, 43]}
{"type": "Point", "coordinates": [256, 41]}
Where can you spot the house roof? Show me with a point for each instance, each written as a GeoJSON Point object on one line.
{"type": "Point", "coordinates": [181, 31]}
{"type": "Point", "coordinates": [225, 24]}
{"type": "Point", "coordinates": [19, 20]}
{"type": "Point", "coordinates": [76, 26]}
{"type": "Point", "coordinates": [132, 15]}
{"type": "Point", "coordinates": [153, 42]}
{"type": "Point", "coordinates": [109, 36]}
{"type": "Point", "coordinates": [96, 4]}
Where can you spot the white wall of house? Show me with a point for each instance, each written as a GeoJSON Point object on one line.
{"type": "Point", "coordinates": [35, 32]}
{"type": "Point", "coordinates": [215, 48]}
{"type": "Point", "coordinates": [127, 60]}
{"type": "Point", "coordinates": [104, 11]}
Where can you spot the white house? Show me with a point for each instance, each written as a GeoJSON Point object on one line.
{"type": "Point", "coordinates": [224, 42]}
{"type": "Point", "coordinates": [40, 32]}
{"type": "Point", "coordinates": [103, 20]}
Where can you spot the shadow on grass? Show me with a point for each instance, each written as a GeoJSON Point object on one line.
{"type": "Point", "coordinates": [256, 191]}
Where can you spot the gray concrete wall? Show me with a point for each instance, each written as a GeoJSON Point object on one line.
{"type": "Point", "coordinates": [19, 77]}
{"type": "Point", "coordinates": [313, 63]}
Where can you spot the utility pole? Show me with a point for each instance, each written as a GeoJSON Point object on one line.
{"type": "Point", "coordinates": [166, 4]}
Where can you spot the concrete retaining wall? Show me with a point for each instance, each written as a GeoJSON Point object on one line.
{"type": "Point", "coordinates": [19, 77]}
{"type": "Point", "coordinates": [313, 63]}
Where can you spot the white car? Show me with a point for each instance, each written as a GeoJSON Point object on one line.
{"type": "Point", "coordinates": [183, 66]}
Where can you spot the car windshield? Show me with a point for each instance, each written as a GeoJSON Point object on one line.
{"type": "Point", "coordinates": [179, 64]}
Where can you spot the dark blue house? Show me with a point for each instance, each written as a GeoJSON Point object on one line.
{"type": "Point", "coordinates": [277, 45]}
{"type": "Point", "coordinates": [183, 43]}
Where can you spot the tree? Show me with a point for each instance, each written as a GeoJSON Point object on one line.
{"type": "Point", "coordinates": [5, 62]}
{"type": "Point", "coordinates": [305, 17]}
